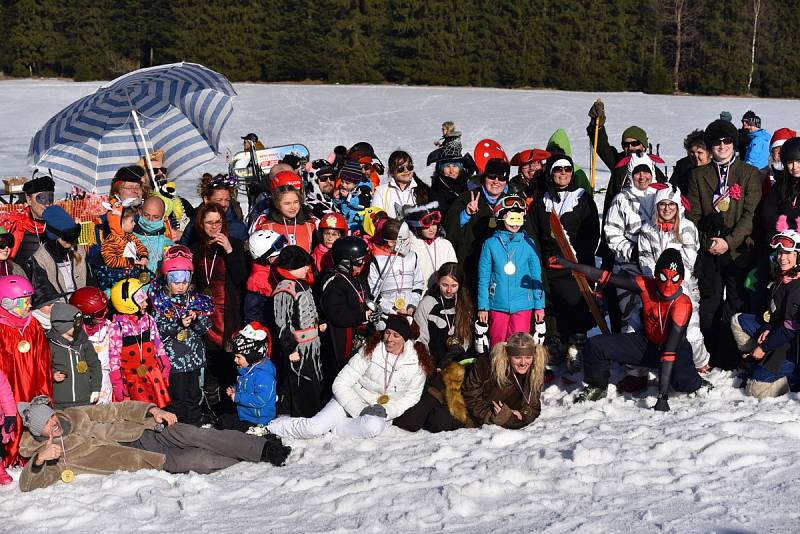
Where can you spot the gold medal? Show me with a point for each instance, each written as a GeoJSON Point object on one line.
{"type": "Point", "coordinates": [400, 304]}
{"type": "Point", "coordinates": [453, 341]}
{"type": "Point", "coordinates": [24, 346]}
{"type": "Point", "coordinates": [207, 291]}
{"type": "Point", "coordinates": [492, 223]}
{"type": "Point", "coordinates": [144, 278]}
{"type": "Point", "coordinates": [141, 370]}
{"type": "Point", "coordinates": [82, 367]}
{"type": "Point", "coordinates": [724, 204]}
{"type": "Point", "coordinates": [526, 411]}
{"type": "Point", "coordinates": [182, 335]}
{"type": "Point", "coordinates": [767, 316]}
{"type": "Point", "coordinates": [383, 399]}
{"type": "Point", "coordinates": [67, 475]}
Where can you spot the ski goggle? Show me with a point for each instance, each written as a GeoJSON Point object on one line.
{"type": "Point", "coordinates": [510, 203]}
{"type": "Point", "coordinates": [6, 240]}
{"type": "Point", "coordinates": [20, 306]}
{"type": "Point", "coordinates": [430, 219]}
{"type": "Point", "coordinates": [179, 277]}
{"type": "Point", "coordinates": [90, 319]}
{"type": "Point", "coordinates": [45, 198]}
{"type": "Point", "coordinates": [784, 242]}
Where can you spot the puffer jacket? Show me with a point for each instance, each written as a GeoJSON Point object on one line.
{"type": "Point", "coordinates": [499, 291]}
{"type": "Point", "coordinates": [624, 219]}
{"type": "Point", "coordinates": [757, 153]}
{"type": "Point", "coordinates": [77, 388]}
{"type": "Point", "coordinates": [361, 381]}
{"type": "Point", "coordinates": [255, 395]}
{"type": "Point", "coordinates": [403, 281]}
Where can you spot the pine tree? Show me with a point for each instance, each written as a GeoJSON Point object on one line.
{"type": "Point", "coordinates": [353, 43]}
{"type": "Point", "coordinates": [32, 44]}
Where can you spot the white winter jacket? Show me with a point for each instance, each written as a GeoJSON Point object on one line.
{"type": "Point", "coordinates": [362, 380]}
{"type": "Point", "coordinates": [431, 256]}
{"type": "Point", "coordinates": [404, 280]}
{"type": "Point", "coordinates": [629, 209]}
{"type": "Point", "coordinates": [388, 196]}
{"type": "Point", "coordinates": [653, 241]}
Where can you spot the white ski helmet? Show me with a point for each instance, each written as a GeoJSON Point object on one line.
{"type": "Point", "coordinates": [265, 244]}
{"type": "Point", "coordinates": [788, 240]}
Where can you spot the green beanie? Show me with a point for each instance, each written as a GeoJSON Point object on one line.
{"type": "Point", "coordinates": [634, 132]}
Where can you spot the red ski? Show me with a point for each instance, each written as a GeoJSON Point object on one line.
{"type": "Point", "coordinates": [569, 254]}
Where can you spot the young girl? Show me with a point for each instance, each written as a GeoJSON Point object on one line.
{"type": "Point", "coordinates": [254, 393]}
{"type": "Point", "coordinates": [445, 316]}
{"type": "Point", "coordinates": [332, 226]}
{"type": "Point", "coordinates": [139, 365]}
{"type": "Point", "coordinates": [297, 320]}
{"type": "Point", "coordinates": [395, 279]}
{"type": "Point", "coordinates": [428, 241]}
{"type": "Point", "coordinates": [183, 318]}
{"type": "Point", "coordinates": [121, 248]}
{"type": "Point", "coordinates": [669, 229]}
{"type": "Point", "coordinates": [8, 420]}
{"type": "Point", "coordinates": [509, 275]}
{"type": "Point", "coordinates": [93, 304]}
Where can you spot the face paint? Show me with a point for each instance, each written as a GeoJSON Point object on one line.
{"type": "Point", "coordinates": [21, 307]}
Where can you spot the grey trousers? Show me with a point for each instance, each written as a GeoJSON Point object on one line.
{"type": "Point", "coordinates": [202, 450]}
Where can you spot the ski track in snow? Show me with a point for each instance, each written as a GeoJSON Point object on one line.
{"type": "Point", "coordinates": [718, 462]}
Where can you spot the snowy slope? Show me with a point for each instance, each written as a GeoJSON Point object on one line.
{"type": "Point", "coordinates": [719, 462]}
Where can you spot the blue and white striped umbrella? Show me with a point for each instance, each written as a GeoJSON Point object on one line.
{"type": "Point", "coordinates": [182, 109]}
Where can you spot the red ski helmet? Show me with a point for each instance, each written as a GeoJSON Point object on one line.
{"type": "Point", "coordinates": [287, 179]}
{"type": "Point", "coordinates": [333, 221]}
{"type": "Point", "coordinates": [91, 302]}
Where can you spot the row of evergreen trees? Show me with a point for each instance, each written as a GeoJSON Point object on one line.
{"type": "Point", "coordinates": [588, 45]}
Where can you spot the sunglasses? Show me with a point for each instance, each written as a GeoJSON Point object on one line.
{"type": "Point", "coordinates": [430, 219]}
{"type": "Point", "coordinates": [45, 198]}
{"type": "Point", "coordinates": [6, 240]}
{"type": "Point", "coordinates": [497, 177]}
{"type": "Point", "coordinates": [160, 170]}
{"type": "Point", "coordinates": [722, 141]}
{"type": "Point", "coordinates": [565, 168]}
{"type": "Point", "coordinates": [631, 144]}
{"type": "Point", "coordinates": [366, 166]}
{"type": "Point", "coordinates": [358, 262]}
{"type": "Point", "coordinates": [783, 242]}
{"type": "Point", "coordinates": [322, 178]}
{"type": "Point", "coordinates": [408, 167]}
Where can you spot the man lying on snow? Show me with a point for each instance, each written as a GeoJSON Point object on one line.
{"type": "Point", "coordinates": [128, 436]}
{"type": "Point", "coordinates": [665, 316]}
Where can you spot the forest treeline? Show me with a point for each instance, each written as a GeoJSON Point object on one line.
{"type": "Point", "coordinates": [698, 46]}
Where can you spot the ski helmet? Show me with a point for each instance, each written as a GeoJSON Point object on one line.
{"type": "Point", "coordinates": [788, 240]}
{"type": "Point", "coordinates": [333, 221]}
{"type": "Point", "coordinates": [15, 300]}
{"type": "Point", "coordinates": [287, 179]}
{"type": "Point", "coordinates": [92, 303]}
{"type": "Point", "coordinates": [177, 258]}
{"type": "Point", "coordinates": [266, 244]}
{"type": "Point", "coordinates": [348, 251]}
{"type": "Point", "coordinates": [127, 296]}
{"type": "Point", "coordinates": [509, 204]}
{"type": "Point", "coordinates": [790, 151]}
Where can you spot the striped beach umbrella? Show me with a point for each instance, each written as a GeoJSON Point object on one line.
{"type": "Point", "coordinates": [179, 108]}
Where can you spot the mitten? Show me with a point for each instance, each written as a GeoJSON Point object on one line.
{"type": "Point", "coordinates": [376, 409]}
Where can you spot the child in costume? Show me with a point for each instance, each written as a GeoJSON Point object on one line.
{"type": "Point", "coordinates": [139, 365]}
{"type": "Point", "coordinates": [395, 279]}
{"type": "Point", "coordinates": [77, 374]}
{"type": "Point", "coordinates": [121, 248]}
{"type": "Point", "coordinates": [183, 318]}
{"type": "Point", "coordinates": [93, 305]}
{"type": "Point", "coordinates": [255, 391]}
{"type": "Point", "coordinates": [332, 226]}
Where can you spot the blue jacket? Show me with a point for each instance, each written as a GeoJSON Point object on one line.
{"type": "Point", "coordinates": [757, 153]}
{"type": "Point", "coordinates": [520, 291]}
{"type": "Point", "coordinates": [255, 396]}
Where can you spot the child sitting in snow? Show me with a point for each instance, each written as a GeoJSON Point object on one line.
{"type": "Point", "coordinates": [255, 392]}
{"type": "Point", "coordinates": [8, 423]}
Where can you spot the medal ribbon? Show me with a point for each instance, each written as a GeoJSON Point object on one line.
{"type": "Point", "coordinates": [210, 273]}
{"type": "Point", "coordinates": [64, 450]}
{"type": "Point", "coordinates": [387, 381]}
{"type": "Point", "coordinates": [521, 392]}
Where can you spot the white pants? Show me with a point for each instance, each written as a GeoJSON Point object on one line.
{"type": "Point", "coordinates": [331, 418]}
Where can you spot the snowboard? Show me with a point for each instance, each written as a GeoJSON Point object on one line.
{"type": "Point", "coordinates": [267, 158]}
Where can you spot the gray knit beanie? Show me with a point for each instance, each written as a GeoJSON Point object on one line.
{"type": "Point", "coordinates": [36, 414]}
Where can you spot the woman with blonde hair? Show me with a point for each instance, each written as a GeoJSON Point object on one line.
{"type": "Point", "coordinates": [504, 388]}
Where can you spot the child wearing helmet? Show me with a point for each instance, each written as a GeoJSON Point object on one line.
{"type": "Point", "coordinates": [93, 305]}
{"type": "Point", "coordinates": [183, 317]}
{"type": "Point", "coordinates": [139, 365]}
{"type": "Point", "coordinates": [510, 286]}
{"type": "Point", "coordinates": [332, 226]}
{"type": "Point", "coordinates": [255, 392]}
{"type": "Point", "coordinates": [769, 341]}
{"type": "Point", "coordinates": [264, 245]}
{"type": "Point", "coordinates": [24, 353]}
{"type": "Point", "coordinates": [428, 242]}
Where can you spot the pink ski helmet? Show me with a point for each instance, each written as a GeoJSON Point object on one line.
{"type": "Point", "coordinates": [14, 287]}
{"type": "Point", "coordinates": [177, 258]}
{"type": "Point", "coordinates": [15, 304]}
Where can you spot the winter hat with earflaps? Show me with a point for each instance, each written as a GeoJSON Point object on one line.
{"type": "Point", "coordinates": [253, 342]}
{"type": "Point", "coordinates": [36, 414]}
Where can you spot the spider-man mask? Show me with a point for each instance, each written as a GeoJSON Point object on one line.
{"type": "Point", "coordinates": [669, 273]}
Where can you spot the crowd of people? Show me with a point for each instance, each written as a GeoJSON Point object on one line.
{"type": "Point", "coordinates": [343, 301]}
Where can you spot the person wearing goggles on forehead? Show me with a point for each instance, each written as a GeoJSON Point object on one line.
{"type": "Point", "coordinates": [427, 240]}
{"type": "Point", "coordinates": [183, 317]}
{"type": "Point", "coordinates": [77, 374]}
{"type": "Point", "coordinates": [404, 188]}
{"type": "Point", "coordinates": [57, 266]}
{"type": "Point", "coordinates": [724, 196]}
{"type": "Point", "coordinates": [93, 305]}
{"type": "Point", "coordinates": [510, 289]}
{"type": "Point", "coordinates": [769, 340]}
{"type": "Point", "coordinates": [24, 353]}
{"type": "Point", "coordinates": [662, 343]}
{"type": "Point", "coordinates": [27, 225]}
{"type": "Point", "coordinates": [578, 214]}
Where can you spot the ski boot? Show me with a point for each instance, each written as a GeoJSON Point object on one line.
{"type": "Point", "coordinates": [5, 478]}
{"type": "Point", "coordinates": [632, 384]}
{"type": "Point", "coordinates": [574, 358]}
{"type": "Point", "coordinates": [589, 393]}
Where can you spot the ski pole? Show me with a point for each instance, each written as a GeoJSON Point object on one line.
{"type": "Point", "coordinates": [594, 150]}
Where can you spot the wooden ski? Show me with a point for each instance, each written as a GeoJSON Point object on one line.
{"type": "Point", "coordinates": [569, 254]}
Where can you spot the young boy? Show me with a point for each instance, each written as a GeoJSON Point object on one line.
{"type": "Point", "coordinates": [77, 375]}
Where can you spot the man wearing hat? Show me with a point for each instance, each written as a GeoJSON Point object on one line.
{"type": "Point", "coordinates": [756, 152]}
{"type": "Point", "coordinates": [57, 263]}
{"type": "Point", "coordinates": [28, 226]}
{"type": "Point", "coordinates": [530, 164]}
{"type": "Point", "coordinates": [724, 196]}
{"type": "Point", "coordinates": [127, 436]}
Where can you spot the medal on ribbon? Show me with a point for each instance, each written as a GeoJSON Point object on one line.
{"type": "Point", "coordinates": [141, 370]}
{"type": "Point", "coordinates": [400, 304]}
{"type": "Point", "coordinates": [383, 399]}
{"type": "Point", "coordinates": [81, 367]}
{"type": "Point", "coordinates": [67, 475]}
{"type": "Point", "coordinates": [183, 334]}
{"type": "Point", "coordinates": [509, 268]}
{"type": "Point", "coordinates": [24, 346]}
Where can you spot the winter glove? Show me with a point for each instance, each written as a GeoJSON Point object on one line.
{"type": "Point", "coordinates": [502, 417]}
{"type": "Point", "coordinates": [376, 409]}
{"type": "Point", "coordinates": [540, 329]}
{"type": "Point", "coordinates": [557, 262]}
{"type": "Point", "coordinates": [94, 397]}
{"type": "Point", "coordinates": [598, 112]}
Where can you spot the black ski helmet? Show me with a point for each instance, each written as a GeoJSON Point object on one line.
{"type": "Point", "coordinates": [790, 151]}
{"type": "Point", "coordinates": [346, 250]}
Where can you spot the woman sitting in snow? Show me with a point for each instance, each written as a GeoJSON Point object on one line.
{"type": "Point", "coordinates": [378, 384]}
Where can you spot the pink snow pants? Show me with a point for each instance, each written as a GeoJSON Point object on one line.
{"type": "Point", "coordinates": [502, 325]}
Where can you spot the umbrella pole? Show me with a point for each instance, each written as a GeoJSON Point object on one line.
{"type": "Point", "coordinates": [144, 144]}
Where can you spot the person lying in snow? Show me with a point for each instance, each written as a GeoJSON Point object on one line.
{"type": "Point", "coordinates": [665, 316]}
{"type": "Point", "coordinates": [128, 436]}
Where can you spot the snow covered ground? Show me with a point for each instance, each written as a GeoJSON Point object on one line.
{"type": "Point", "coordinates": [719, 462]}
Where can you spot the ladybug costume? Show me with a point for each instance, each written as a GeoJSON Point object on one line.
{"type": "Point", "coordinates": [665, 315]}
